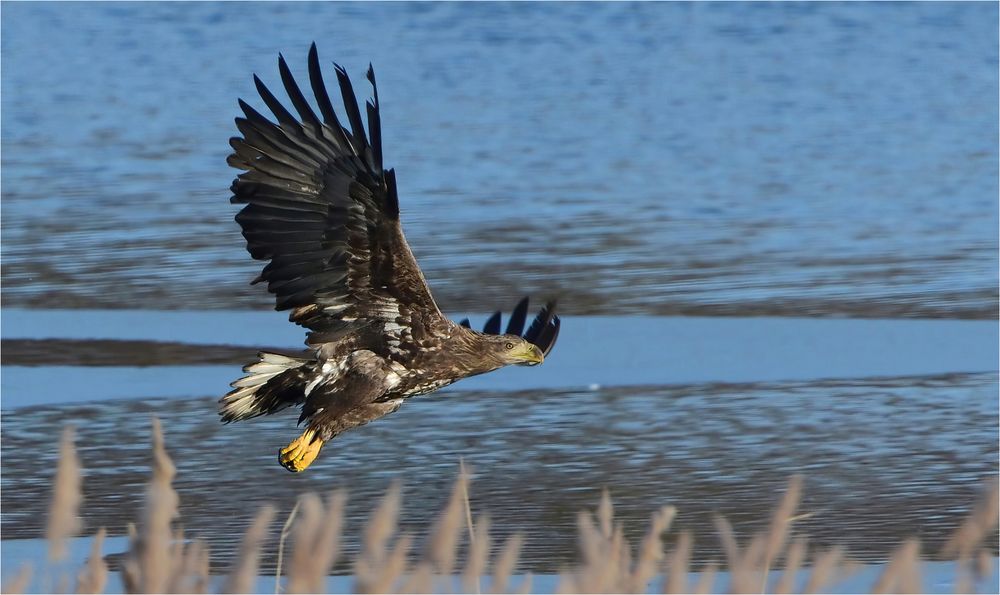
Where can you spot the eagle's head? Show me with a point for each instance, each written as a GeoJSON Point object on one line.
{"type": "Point", "coordinates": [511, 349]}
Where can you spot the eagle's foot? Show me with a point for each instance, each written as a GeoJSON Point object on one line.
{"type": "Point", "coordinates": [301, 452]}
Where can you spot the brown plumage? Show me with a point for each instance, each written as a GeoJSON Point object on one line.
{"type": "Point", "coordinates": [324, 214]}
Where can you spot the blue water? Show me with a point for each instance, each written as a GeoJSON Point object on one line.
{"type": "Point", "coordinates": [791, 159]}
{"type": "Point", "coordinates": [773, 163]}
{"type": "Point", "coordinates": [892, 422]}
{"type": "Point", "coordinates": [594, 351]}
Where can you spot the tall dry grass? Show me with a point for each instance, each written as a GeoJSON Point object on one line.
{"type": "Point", "coordinates": [64, 520]}
{"type": "Point", "coordinates": [160, 560]}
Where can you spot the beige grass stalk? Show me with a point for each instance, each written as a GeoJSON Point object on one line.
{"type": "Point", "coordinates": [285, 530]}
{"type": "Point", "coordinates": [379, 530]}
{"type": "Point", "coordinates": [737, 581]}
{"type": "Point", "coordinates": [707, 579]}
{"type": "Point", "coordinates": [824, 567]}
{"type": "Point", "coordinates": [745, 574]}
{"type": "Point", "coordinates": [606, 556]}
{"type": "Point", "coordinates": [241, 578]}
{"type": "Point", "coordinates": [505, 563]}
{"type": "Point", "coordinates": [468, 522]}
{"type": "Point", "coordinates": [477, 562]}
{"type": "Point", "coordinates": [984, 562]}
{"type": "Point", "coordinates": [678, 565]}
{"type": "Point", "coordinates": [793, 561]}
{"type": "Point", "coordinates": [191, 566]}
{"type": "Point", "coordinates": [151, 554]}
{"type": "Point", "coordinates": [94, 575]}
{"type": "Point", "coordinates": [781, 520]}
{"type": "Point", "coordinates": [131, 574]}
{"type": "Point", "coordinates": [301, 568]}
{"type": "Point", "coordinates": [525, 587]}
{"type": "Point", "coordinates": [974, 529]}
{"type": "Point", "coordinates": [64, 508]}
{"type": "Point", "coordinates": [606, 513]}
{"type": "Point", "coordinates": [902, 573]}
{"type": "Point", "coordinates": [651, 550]}
{"type": "Point", "coordinates": [421, 580]}
{"type": "Point", "coordinates": [970, 534]}
{"type": "Point", "coordinates": [589, 577]}
{"type": "Point", "coordinates": [394, 567]}
{"type": "Point", "coordinates": [20, 581]}
{"type": "Point", "coordinates": [327, 549]}
{"type": "Point", "coordinates": [442, 544]}
{"type": "Point", "coordinates": [317, 542]}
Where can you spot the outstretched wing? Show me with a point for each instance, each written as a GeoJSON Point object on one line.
{"type": "Point", "coordinates": [542, 333]}
{"type": "Point", "coordinates": [325, 214]}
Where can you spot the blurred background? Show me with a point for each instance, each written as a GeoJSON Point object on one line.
{"type": "Point", "coordinates": [780, 160]}
{"type": "Point", "coordinates": [631, 158]}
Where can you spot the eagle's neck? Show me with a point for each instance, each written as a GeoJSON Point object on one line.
{"type": "Point", "coordinates": [469, 354]}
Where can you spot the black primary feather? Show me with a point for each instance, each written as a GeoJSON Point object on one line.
{"type": "Point", "coordinates": [374, 119]}
{"type": "Point", "coordinates": [543, 332]}
{"type": "Point", "coordinates": [517, 318]}
{"type": "Point", "coordinates": [492, 326]}
{"type": "Point", "coordinates": [295, 95]}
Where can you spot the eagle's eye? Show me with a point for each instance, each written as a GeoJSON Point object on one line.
{"type": "Point", "coordinates": [508, 345]}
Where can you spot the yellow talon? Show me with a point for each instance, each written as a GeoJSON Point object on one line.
{"type": "Point", "coordinates": [301, 452]}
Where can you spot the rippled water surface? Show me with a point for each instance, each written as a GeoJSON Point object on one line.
{"type": "Point", "coordinates": [643, 158]}
{"type": "Point", "coordinates": [883, 459]}
{"type": "Point", "coordinates": [797, 160]}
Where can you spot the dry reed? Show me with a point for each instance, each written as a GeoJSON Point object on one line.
{"type": "Point", "coordinates": [970, 535]}
{"type": "Point", "coordinates": [443, 542]}
{"type": "Point", "coordinates": [19, 583]}
{"type": "Point", "coordinates": [902, 573]}
{"type": "Point", "coordinates": [160, 560]}
{"type": "Point", "coordinates": [478, 560]}
{"type": "Point", "coordinates": [469, 583]}
{"type": "Point", "coordinates": [677, 565]}
{"type": "Point", "coordinates": [63, 521]}
{"type": "Point", "coordinates": [506, 562]}
{"type": "Point", "coordinates": [793, 560]}
{"type": "Point", "coordinates": [368, 573]}
{"type": "Point", "coordinates": [824, 567]}
{"type": "Point", "coordinates": [244, 572]}
{"type": "Point", "coordinates": [94, 575]}
{"type": "Point", "coordinates": [317, 542]}
{"type": "Point", "coordinates": [285, 530]}
{"type": "Point", "coordinates": [707, 579]}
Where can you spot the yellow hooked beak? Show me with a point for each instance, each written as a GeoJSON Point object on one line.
{"type": "Point", "coordinates": [528, 355]}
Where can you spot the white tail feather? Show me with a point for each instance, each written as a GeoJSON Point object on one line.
{"type": "Point", "coordinates": [243, 401]}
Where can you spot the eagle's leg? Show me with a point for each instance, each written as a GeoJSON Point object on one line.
{"type": "Point", "coordinates": [301, 452]}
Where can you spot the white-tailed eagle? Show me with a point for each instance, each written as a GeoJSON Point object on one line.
{"type": "Point", "coordinates": [324, 214]}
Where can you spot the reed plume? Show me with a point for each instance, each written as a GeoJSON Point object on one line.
{"type": "Point", "coordinates": [161, 560]}
{"type": "Point", "coordinates": [244, 572]}
{"type": "Point", "coordinates": [317, 542]}
{"type": "Point", "coordinates": [63, 521]}
{"type": "Point", "coordinates": [94, 575]}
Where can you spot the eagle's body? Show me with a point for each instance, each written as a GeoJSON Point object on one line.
{"type": "Point", "coordinates": [325, 215]}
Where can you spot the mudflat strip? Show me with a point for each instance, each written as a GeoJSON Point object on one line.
{"type": "Point", "coordinates": [110, 352]}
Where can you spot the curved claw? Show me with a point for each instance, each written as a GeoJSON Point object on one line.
{"type": "Point", "coordinates": [301, 452]}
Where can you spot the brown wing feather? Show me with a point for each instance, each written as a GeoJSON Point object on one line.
{"type": "Point", "coordinates": [325, 215]}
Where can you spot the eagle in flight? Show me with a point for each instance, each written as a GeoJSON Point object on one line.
{"type": "Point", "coordinates": [324, 214]}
